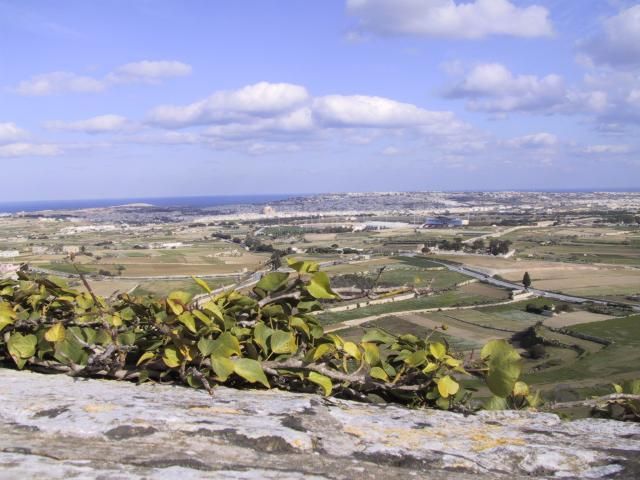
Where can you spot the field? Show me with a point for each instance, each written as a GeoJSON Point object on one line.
{"type": "Point", "coordinates": [592, 261]}
{"type": "Point", "coordinates": [614, 363]}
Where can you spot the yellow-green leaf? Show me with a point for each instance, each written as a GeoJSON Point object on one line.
{"type": "Point", "coordinates": [416, 358]}
{"type": "Point", "coordinates": [283, 342]}
{"type": "Point", "coordinates": [56, 333]}
{"type": "Point", "coordinates": [170, 357]}
{"type": "Point", "coordinates": [319, 286]}
{"type": "Point", "coordinates": [323, 381]}
{"type": "Point", "coordinates": [188, 321]}
{"type": "Point", "coordinates": [447, 386]}
{"type": "Point", "coordinates": [438, 350]}
{"type": "Point", "coordinates": [520, 389]}
{"type": "Point", "coordinates": [223, 367]}
{"type": "Point", "coordinates": [251, 371]}
{"type": "Point", "coordinates": [202, 284]}
{"type": "Point", "coordinates": [322, 350]}
{"type": "Point", "coordinates": [144, 357]}
{"type": "Point", "coordinates": [379, 373]}
{"type": "Point", "coordinates": [371, 353]}
{"type": "Point", "coordinates": [352, 349]}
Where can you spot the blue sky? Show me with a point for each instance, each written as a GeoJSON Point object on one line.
{"type": "Point", "coordinates": [134, 98]}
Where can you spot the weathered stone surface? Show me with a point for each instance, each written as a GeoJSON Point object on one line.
{"type": "Point", "coordinates": [54, 426]}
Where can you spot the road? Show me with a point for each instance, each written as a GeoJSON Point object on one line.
{"type": "Point", "coordinates": [483, 277]}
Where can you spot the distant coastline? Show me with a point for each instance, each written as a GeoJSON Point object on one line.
{"type": "Point", "coordinates": [185, 202]}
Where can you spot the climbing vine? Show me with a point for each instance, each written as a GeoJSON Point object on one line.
{"type": "Point", "coordinates": [267, 337]}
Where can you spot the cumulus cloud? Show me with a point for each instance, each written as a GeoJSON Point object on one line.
{"type": "Point", "coordinates": [369, 111]}
{"type": "Point", "coordinates": [68, 82]}
{"type": "Point", "coordinates": [540, 140]}
{"type": "Point", "coordinates": [59, 82]}
{"type": "Point", "coordinates": [149, 71]}
{"type": "Point", "coordinates": [492, 87]}
{"type": "Point", "coordinates": [450, 19]}
{"type": "Point", "coordinates": [618, 44]}
{"type": "Point", "coordinates": [15, 150]}
{"type": "Point", "coordinates": [253, 101]}
{"type": "Point", "coordinates": [99, 124]}
{"type": "Point", "coordinates": [10, 132]}
{"type": "Point", "coordinates": [607, 149]}
{"type": "Point", "coordinates": [270, 115]}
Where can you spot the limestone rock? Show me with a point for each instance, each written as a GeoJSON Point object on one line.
{"type": "Point", "coordinates": [54, 426]}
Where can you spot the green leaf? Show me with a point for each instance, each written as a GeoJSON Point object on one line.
{"type": "Point", "coordinates": [214, 309]}
{"type": "Point", "coordinates": [379, 373]}
{"type": "Point", "coordinates": [22, 347]}
{"type": "Point", "coordinates": [202, 284]}
{"type": "Point", "coordinates": [323, 381]}
{"type": "Point", "coordinates": [520, 389]}
{"type": "Point", "coordinates": [447, 386]}
{"type": "Point", "coordinates": [177, 301]}
{"type": "Point", "coordinates": [203, 318]}
{"type": "Point", "coordinates": [206, 346]}
{"type": "Point", "coordinates": [7, 315]}
{"type": "Point", "coordinates": [352, 349]}
{"type": "Point", "coordinates": [438, 350]}
{"type": "Point", "coordinates": [56, 333]}
{"type": "Point", "coordinates": [251, 371]}
{"type": "Point", "coordinates": [416, 358]}
{"type": "Point", "coordinates": [144, 357]}
{"type": "Point", "coordinates": [188, 321]}
{"type": "Point", "coordinates": [226, 345]}
{"type": "Point", "coordinates": [504, 366]}
{"type": "Point", "coordinates": [261, 334]}
{"type": "Point", "coordinates": [303, 266]}
{"type": "Point", "coordinates": [283, 342]}
{"type": "Point", "coordinates": [322, 350]}
{"type": "Point", "coordinates": [273, 281]}
{"type": "Point", "coordinates": [127, 338]}
{"type": "Point", "coordinates": [223, 367]}
{"type": "Point", "coordinates": [431, 367]}
{"type": "Point", "coordinates": [371, 353]}
{"type": "Point", "coordinates": [299, 324]}
{"type": "Point", "coordinates": [171, 358]}
{"type": "Point", "coordinates": [378, 336]}
{"type": "Point", "coordinates": [496, 403]}
{"type": "Point", "coordinates": [319, 287]}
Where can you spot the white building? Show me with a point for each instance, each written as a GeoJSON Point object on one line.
{"type": "Point", "coordinates": [71, 249]}
{"type": "Point", "coordinates": [9, 253]}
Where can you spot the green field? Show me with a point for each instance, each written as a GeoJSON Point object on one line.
{"type": "Point", "coordinates": [454, 298]}
{"type": "Point", "coordinates": [620, 360]}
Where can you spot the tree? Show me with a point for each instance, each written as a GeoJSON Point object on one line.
{"type": "Point", "coordinates": [526, 280]}
{"type": "Point", "coordinates": [478, 244]}
{"type": "Point", "coordinates": [276, 260]}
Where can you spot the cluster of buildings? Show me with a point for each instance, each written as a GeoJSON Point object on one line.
{"type": "Point", "coordinates": [445, 222]}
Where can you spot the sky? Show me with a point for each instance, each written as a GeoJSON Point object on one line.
{"type": "Point", "coordinates": [143, 98]}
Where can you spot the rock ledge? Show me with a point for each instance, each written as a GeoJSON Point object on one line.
{"type": "Point", "coordinates": [54, 426]}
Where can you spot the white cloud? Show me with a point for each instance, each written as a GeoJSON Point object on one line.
{"type": "Point", "coordinates": [67, 82]}
{"type": "Point", "coordinates": [450, 19]}
{"type": "Point", "coordinates": [15, 150]}
{"type": "Point", "coordinates": [618, 44]}
{"type": "Point", "coordinates": [149, 71]}
{"type": "Point", "coordinates": [99, 124]}
{"type": "Point", "coordinates": [492, 87]}
{"type": "Point", "coordinates": [607, 149]}
{"type": "Point", "coordinates": [10, 132]}
{"type": "Point", "coordinates": [378, 112]}
{"type": "Point", "coordinates": [59, 82]}
{"type": "Point", "coordinates": [391, 151]}
{"type": "Point", "coordinates": [540, 140]}
{"type": "Point", "coordinates": [253, 101]}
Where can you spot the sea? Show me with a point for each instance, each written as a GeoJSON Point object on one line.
{"type": "Point", "coordinates": [194, 202]}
